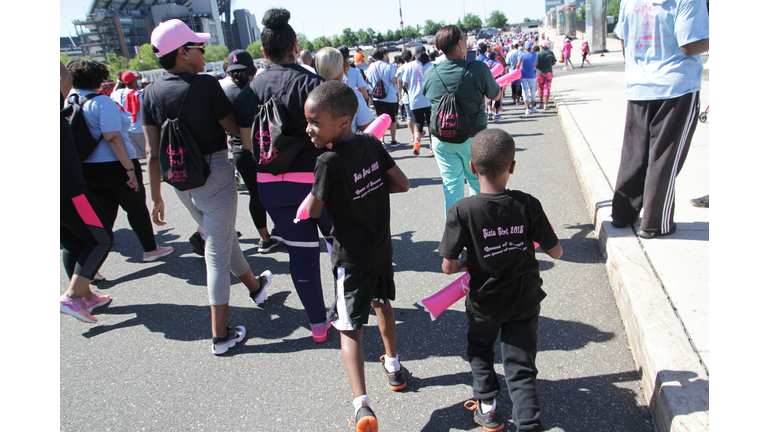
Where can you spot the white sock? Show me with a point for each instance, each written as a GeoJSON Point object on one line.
{"type": "Point", "coordinates": [358, 402]}
{"type": "Point", "coordinates": [487, 408]}
{"type": "Point", "coordinates": [392, 364]}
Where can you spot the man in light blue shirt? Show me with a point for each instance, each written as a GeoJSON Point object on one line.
{"type": "Point", "coordinates": [662, 41]}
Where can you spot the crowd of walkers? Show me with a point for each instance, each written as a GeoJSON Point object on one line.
{"type": "Point", "coordinates": [312, 163]}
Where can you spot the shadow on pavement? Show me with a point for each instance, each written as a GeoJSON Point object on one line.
{"type": "Point", "coordinates": [405, 250]}
{"type": "Point", "coordinates": [570, 404]}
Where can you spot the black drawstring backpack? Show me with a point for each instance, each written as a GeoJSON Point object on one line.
{"type": "Point", "coordinates": [273, 150]}
{"type": "Point", "coordinates": [181, 161]}
{"type": "Point", "coordinates": [450, 122]}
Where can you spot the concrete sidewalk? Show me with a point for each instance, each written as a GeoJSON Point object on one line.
{"type": "Point", "coordinates": [661, 285]}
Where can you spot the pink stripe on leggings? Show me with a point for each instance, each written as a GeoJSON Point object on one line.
{"type": "Point", "coordinates": [295, 177]}
{"type": "Point", "coordinates": [84, 209]}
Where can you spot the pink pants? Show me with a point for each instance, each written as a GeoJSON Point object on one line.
{"type": "Point", "coordinates": [544, 80]}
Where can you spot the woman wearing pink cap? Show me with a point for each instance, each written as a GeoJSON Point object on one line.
{"type": "Point", "coordinates": [207, 113]}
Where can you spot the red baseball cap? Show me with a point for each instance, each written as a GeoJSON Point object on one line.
{"type": "Point", "coordinates": [173, 34]}
{"type": "Point", "coordinates": [128, 77]}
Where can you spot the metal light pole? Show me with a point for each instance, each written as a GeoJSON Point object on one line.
{"type": "Point", "coordinates": [402, 30]}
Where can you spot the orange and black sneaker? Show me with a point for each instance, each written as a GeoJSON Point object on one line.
{"type": "Point", "coordinates": [396, 379]}
{"type": "Point", "coordinates": [416, 147]}
{"type": "Point", "coordinates": [488, 421]}
{"type": "Point", "coordinates": [365, 420]}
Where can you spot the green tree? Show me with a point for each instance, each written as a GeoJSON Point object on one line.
{"type": "Point", "coordinates": [472, 22]}
{"type": "Point", "coordinates": [526, 19]}
{"type": "Point", "coordinates": [301, 41]}
{"type": "Point", "coordinates": [363, 37]}
{"type": "Point", "coordinates": [379, 38]}
{"type": "Point", "coordinates": [117, 65]}
{"type": "Point", "coordinates": [64, 58]}
{"type": "Point", "coordinates": [497, 20]}
{"type": "Point", "coordinates": [254, 50]}
{"type": "Point", "coordinates": [581, 13]}
{"type": "Point", "coordinates": [348, 37]}
{"type": "Point", "coordinates": [411, 32]}
{"type": "Point", "coordinates": [146, 60]}
{"type": "Point", "coordinates": [431, 27]}
{"type": "Point", "coordinates": [309, 45]}
{"type": "Point", "coordinates": [613, 9]}
{"type": "Point", "coordinates": [390, 36]}
{"type": "Point", "coordinates": [321, 42]}
{"type": "Point", "coordinates": [214, 53]}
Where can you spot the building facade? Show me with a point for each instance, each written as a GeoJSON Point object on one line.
{"type": "Point", "coordinates": [245, 29]}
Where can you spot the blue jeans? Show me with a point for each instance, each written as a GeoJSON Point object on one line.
{"type": "Point", "coordinates": [453, 161]}
{"type": "Point", "coordinates": [529, 89]}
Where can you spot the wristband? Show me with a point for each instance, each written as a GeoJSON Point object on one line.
{"type": "Point", "coordinates": [130, 169]}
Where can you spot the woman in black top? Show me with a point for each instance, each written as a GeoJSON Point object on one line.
{"type": "Point", "coordinates": [283, 190]}
{"type": "Point", "coordinates": [241, 70]}
{"type": "Point", "coordinates": [207, 113]}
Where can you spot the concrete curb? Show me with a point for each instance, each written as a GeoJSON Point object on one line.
{"type": "Point", "coordinates": [674, 381]}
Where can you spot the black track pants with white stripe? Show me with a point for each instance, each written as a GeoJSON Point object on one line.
{"type": "Point", "coordinates": [657, 136]}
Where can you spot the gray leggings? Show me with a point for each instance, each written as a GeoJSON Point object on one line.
{"type": "Point", "coordinates": [214, 207]}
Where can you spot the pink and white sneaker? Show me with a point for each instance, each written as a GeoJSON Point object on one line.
{"type": "Point", "coordinates": [160, 252]}
{"type": "Point", "coordinates": [97, 300]}
{"type": "Point", "coordinates": [76, 308]}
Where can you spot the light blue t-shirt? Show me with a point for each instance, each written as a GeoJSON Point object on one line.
{"type": "Point", "coordinates": [404, 97]}
{"type": "Point", "coordinates": [102, 115]}
{"type": "Point", "coordinates": [528, 66]}
{"type": "Point", "coordinates": [653, 32]}
{"type": "Point", "coordinates": [386, 72]}
{"type": "Point", "coordinates": [512, 58]}
{"type": "Point", "coordinates": [413, 75]}
{"type": "Point", "coordinates": [363, 116]}
{"type": "Point", "coordinates": [354, 79]}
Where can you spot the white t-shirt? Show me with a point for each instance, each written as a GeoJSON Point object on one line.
{"type": "Point", "coordinates": [363, 116]}
{"type": "Point", "coordinates": [413, 75]}
{"type": "Point", "coordinates": [354, 79]}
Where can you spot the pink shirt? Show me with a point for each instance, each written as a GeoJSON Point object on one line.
{"type": "Point", "coordinates": [567, 48]}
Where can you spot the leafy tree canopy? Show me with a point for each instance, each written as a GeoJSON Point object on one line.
{"type": "Point", "coordinates": [613, 9]}
{"type": "Point", "coordinates": [254, 50]}
{"type": "Point", "coordinates": [148, 61]}
{"type": "Point", "coordinates": [497, 19]}
{"type": "Point", "coordinates": [472, 22]}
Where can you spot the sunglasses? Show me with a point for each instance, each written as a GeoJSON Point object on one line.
{"type": "Point", "coordinates": [200, 47]}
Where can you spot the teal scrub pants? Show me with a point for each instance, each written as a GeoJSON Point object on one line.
{"type": "Point", "coordinates": [453, 161]}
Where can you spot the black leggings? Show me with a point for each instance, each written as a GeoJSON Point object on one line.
{"type": "Point", "coordinates": [246, 166]}
{"type": "Point", "coordinates": [106, 181]}
{"type": "Point", "coordinates": [421, 118]}
{"type": "Point", "coordinates": [84, 234]}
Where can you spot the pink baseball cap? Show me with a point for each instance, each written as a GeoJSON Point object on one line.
{"type": "Point", "coordinates": [173, 34]}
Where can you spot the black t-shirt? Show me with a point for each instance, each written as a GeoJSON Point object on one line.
{"type": "Point", "coordinates": [498, 231]}
{"type": "Point", "coordinates": [71, 177]}
{"type": "Point", "coordinates": [352, 180]}
{"type": "Point", "coordinates": [231, 90]}
{"type": "Point", "coordinates": [269, 82]}
{"type": "Point", "coordinates": [205, 105]}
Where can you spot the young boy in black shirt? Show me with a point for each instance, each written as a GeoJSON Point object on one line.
{"type": "Point", "coordinates": [498, 227]}
{"type": "Point", "coordinates": [355, 179]}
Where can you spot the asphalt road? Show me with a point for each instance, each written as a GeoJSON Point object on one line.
{"type": "Point", "coordinates": [147, 365]}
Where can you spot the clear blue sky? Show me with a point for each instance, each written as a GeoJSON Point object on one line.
{"type": "Point", "coordinates": [307, 17]}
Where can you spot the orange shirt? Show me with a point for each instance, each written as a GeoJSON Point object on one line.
{"type": "Point", "coordinates": [358, 57]}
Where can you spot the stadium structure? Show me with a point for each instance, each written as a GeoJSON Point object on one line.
{"type": "Point", "coordinates": [121, 26]}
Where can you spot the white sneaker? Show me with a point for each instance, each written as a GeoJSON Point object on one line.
{"type": "Point", "coordinates": [527, 112]}
{"type": "Point", "coordinates": [565, 67]}
{"type": "Point", "coordinates": [234, 335]}
{"type": "Point", "coordinates": [546, 106]}
{"type": "Point", "coordinates": [533, 110]}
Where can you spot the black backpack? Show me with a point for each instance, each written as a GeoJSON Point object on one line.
{"type": "Point", "coordinates": [276, 150]}
{"type": "Point", "coordinates": [450, 122]}
{"type": "Point", "coordinates": [181, 162]}
{"type": "Point", "coordinates": [379, 90]}
{"type": "Point", "coordinates": [73, 113]}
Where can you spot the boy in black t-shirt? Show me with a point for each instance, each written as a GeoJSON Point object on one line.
{"type": "Point", "coordinates": [355, 179]}
{"type": "Point", "coordinates": [498, 227]}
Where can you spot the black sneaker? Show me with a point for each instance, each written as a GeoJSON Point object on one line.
{"type": "Point", "coordinates": [265, 247]}
{"type": "Point", "coordinates": [365, 420]}
{"type": "Point", "coordinates": [702, 202]}
{"type": "Point", "coordinates": [396, 379]}
{"type": "Point", "coordinates": [394, 144]}
{"type": "Point", "coordinates": [234, 335]}
{"type": "Point", "coordinates": [488, 421]}
{"type": "Point", "coordinates": [259, 295]}
{"type": "Point", "coordinates": [274, 235]}
{"type": "Point", "coordinates": [198, 244]}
